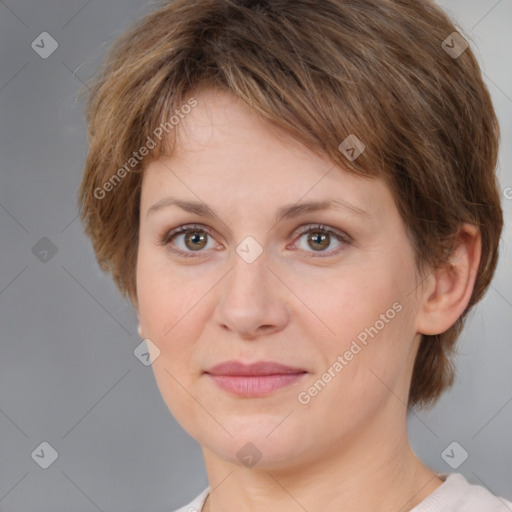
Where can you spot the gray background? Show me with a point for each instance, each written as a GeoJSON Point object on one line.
{"type": "Point", "coordinates": [68, 374]}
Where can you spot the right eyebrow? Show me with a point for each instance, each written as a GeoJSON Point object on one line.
{"type": "Point", "coordinates": [201, 209]}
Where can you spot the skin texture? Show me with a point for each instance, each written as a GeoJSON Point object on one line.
{"type": "Point", "coordinates": [347, 448]}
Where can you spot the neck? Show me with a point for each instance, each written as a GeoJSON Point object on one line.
{"type": "Point", "coordinates": [373, 470]}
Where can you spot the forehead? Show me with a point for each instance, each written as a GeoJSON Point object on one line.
{"type": "Point", "coordinates": [226, 153]}
{"type": "Point", "coordinates": [221, 119]}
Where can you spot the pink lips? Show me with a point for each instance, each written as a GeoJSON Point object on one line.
{"type": "Point", "coordinates": [256, 379]}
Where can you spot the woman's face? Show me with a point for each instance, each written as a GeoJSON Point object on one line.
{"type": "Point", "coordinates": [250, 284]}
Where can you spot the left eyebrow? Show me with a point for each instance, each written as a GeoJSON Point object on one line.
{"type": "Point", "coordinates": [285, 212]}
{"type": "Point", "coordinates": [294, 210]}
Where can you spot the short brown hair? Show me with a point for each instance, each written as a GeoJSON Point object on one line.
{"type": "Point", "coordinates": [320, 70]}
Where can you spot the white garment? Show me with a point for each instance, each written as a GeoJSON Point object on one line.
{"type": "Point", "coordinates": [455, 494]}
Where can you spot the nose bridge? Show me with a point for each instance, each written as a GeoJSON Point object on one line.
{"type": "Point", "coordinates": [248, 299]}
{"type": "Point", "coordinates": [249, 265]}
{"type": "Point", "coordinates": [249, 275]}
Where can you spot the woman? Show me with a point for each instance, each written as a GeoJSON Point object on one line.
{"type": "Point", "coordinates": [299, 199]}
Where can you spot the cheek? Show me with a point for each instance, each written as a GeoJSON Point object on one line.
{"type": "Point", "coordinates": [369, 331]}
{"type": "Point", "coordinates": [165, 312]}
{"type": "Point", "coordinates": [166, 296]}
{"type": "Point", "coordinates": [173, 310]}
{"type": "Point", "coordinates": [350, 304]}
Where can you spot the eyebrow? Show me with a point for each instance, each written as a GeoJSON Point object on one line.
{"type": "Point", "coordinates": [285, 212]}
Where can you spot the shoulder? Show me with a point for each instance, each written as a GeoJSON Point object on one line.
{"type": "Point", "coordinates": [196, 504]}
{"type": "Point", "coordinates": [456, 494]}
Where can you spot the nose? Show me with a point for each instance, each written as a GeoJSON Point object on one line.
{"type": "Point", "coordinates": [252, 300]}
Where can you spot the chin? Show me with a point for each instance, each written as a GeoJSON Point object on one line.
{"type": "Point", "coordinates": [256, 443]}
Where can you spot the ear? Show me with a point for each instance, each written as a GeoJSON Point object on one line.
{"type": "Point", "coordinates": [449, 289]}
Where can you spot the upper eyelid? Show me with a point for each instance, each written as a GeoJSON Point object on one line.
{"type": "Point", "coordinates": [184, 228]}
{"type": "Point", "coordinates": [321, 227]}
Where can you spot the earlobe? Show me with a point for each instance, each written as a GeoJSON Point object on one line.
{"type": "Point", "coordinates": [453, 284]}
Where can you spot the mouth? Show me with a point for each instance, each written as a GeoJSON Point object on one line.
{"type": "Point", "coordinates": [256, 379]}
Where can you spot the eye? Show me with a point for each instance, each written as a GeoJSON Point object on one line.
{"type": "Point", "coordinates": [188, 239]}
{"type": "Point", "coordinates": [193, 238]}
{"type": "Point", "coordinates": [320, 238]}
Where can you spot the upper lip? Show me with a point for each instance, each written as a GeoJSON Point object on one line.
{"type": "Point", "coordinates": [253, 369]}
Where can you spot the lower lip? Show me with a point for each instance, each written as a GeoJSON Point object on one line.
{"type": "Point", "coordinates": [258, 385]}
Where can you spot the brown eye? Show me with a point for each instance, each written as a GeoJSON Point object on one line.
{"type": "Point", "coordinates": [196, 240]}
{"type": "Point", "coordinates": [319, 240]}
{"type": "Point", "coordinates": [189, 239]}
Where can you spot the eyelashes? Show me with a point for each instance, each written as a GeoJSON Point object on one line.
{"type": "Point", "coordinates": [186, 229]}
{"type": "Point", "coordinates": [201, 234]}
{"type": "Point", "coordinates": [340, 237]}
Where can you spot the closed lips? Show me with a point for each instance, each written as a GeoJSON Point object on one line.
{"type": "Point", "coordinates": [254, 380]}
{"type": "Point", "coordinates": [260, 368]}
